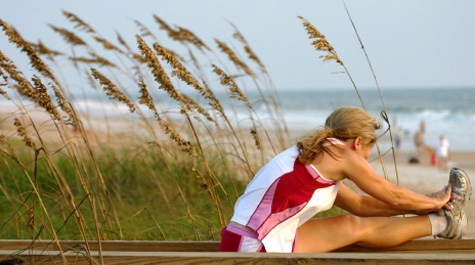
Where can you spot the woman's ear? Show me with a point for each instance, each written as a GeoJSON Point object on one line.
{"type": "Point", "coordinates": [357, 142]}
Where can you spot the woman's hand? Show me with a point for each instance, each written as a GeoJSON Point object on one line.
{"type": "Point", "coordinates": [443, 196]}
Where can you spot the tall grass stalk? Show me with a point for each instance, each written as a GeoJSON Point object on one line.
{"type": "Point", "coordinates": [321, 44]}
{"type": "Point", "coordinates": [385, 113]}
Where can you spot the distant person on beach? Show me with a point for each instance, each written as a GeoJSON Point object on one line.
{"type": "Point", "coordinates": [399, 133]}
{"type": "Point", "coordinates": [275, 212]}
{"type": "Point", "coordinates": [419, 137]}
{"type": "Point", "coordinates": [443, 152]}
{"type": "Point", "coordinates": [422, 126]}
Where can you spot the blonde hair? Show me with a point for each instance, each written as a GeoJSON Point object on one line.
{"type": "Point", "coordinates": [343, 124]}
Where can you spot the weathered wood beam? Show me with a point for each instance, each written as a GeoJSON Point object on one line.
{"type": "Point", "coordinates": [53, 257]}
{"type": "Point", "coordinates": [423, 245]}
{"type": "Point", "coordinates": [164, 252]}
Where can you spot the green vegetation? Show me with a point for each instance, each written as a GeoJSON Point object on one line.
{"type": "Point", "coordinates": [168, 170]}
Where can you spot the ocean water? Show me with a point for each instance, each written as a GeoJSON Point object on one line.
{"type": "Point", "coordinates": [449, 112]}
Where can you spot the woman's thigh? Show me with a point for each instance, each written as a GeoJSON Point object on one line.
{"type": "Point", "coordinates": [329, 233]}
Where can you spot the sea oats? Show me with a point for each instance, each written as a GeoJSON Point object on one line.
{"type": "Point", "coordinates": [31, 217]}
{"type": "Point", "coordinates": [164, 26]}
{"type": "Point", "coordinates": [123, 42]}
{"type": "Point", "coordinates": [147, 100]}
{"type": "Point", "coordinates": [35, 60]}
{"type": "Point", "coordinates": [180, 141]}
{"type": "Point", "coordinates": [247, 48]}
{"type": "Point", "coordinates": [107, 45]}
{"type": "Point", "coordinates": [201, 179]}
{"type": "Point", "coordinates": [139, 58]}
{"type": "Point", "coordinates": [182, 34]}
{"type": "Point", "coordinates": [320, 43]}
{"type": "Point", "coordinates": [191, 104]}
{"type": "Point", "coordinates": [24, 134]}
{"type": "Point", "coordinates": [144, 31]}
{"type": "Point", "coordinates": [180, 71]}
{"type": "Point", "coordinates": [233, 57]}
{"type": "Point", "coordinates": [4, 94]}
{"type": "Point", "coordinates": [79, 23]}
{"type": "Point", "coordinates": [95, 60]}
{"type": "Point", "coordinates": [10, 152]}
{"type": "Point", "coordinates": [65, 106]}
{"type": "Point", "coordinates": [4, 76]}
{"type": "Point", "coordinates": [229, 82]}
{"type": "Point", "coordinates": [23, 86]}
{"type": "Point", "coordinates": [4, 141]}
{"type": "Point", "coordinates": [256, 137]}
{"type": "Point", "coordinates": [214, 101]}
{"type": "Point", "coordinates": [42, 98]}
{"type": "Point", "coordinates": [111, 89]}
{"type": "Point", "coordinates": [40, 48]}
{"type": "Point", "coordinates": [69, 36]}
{"type": "Point", "coordinates": [183, 74]}
{"type": "Point", "coordinates": [188, 36]}
{"type": "Point", "coordinates": [157, 70]}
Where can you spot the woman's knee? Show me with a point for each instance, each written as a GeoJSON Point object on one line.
{"type": "Point", "coordinates": [355, 226]}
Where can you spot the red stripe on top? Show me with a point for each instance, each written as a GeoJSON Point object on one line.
{"type": "Point", "coordinates": [287, 196]}
{"type": "Point", "coordinates": [296, 188]}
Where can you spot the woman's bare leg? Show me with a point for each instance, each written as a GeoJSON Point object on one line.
{"type": "Point", "coordinates": [327, 234]}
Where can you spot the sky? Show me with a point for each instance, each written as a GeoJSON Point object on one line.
{"type": "Point", "coordinates": [411, 44]}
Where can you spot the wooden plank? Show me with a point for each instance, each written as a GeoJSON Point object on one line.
{"type": "Point", "coordinates": [427, 251]}
{"type": "Point", "coordinates": [425, 245]}
{"type": "Point", "coordinates": [52, 257]}
{"type": "Point", "coordinates": [175, 246]}
{"type": "Point", "coordinates": [421, 246]}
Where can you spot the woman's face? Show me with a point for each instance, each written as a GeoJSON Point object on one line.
{"type": "Point", "coordinates": [365, 150]}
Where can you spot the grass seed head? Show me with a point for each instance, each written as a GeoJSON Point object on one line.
{"type": "Point", "coordinates": [320, 43]}
{"type": "Point", "coordinates": [233, 57]}
{"type": "Point", "coordinates": [108, 45]}
{"type": "Point", "coordinates": [35, 60]}
{"type": "Point", "coordinates": [229, 82]}
{"type": "Point", "coordinates": [238, 36]}
{"type": "Point", "coordinates": [42, 98]}
{"type": "Point", "coordinates": [79, 22]}
{"type": "Point", "coordinates": [69, 36]}
{"type": "Point", "coordinates": [111, 89]}
{"type": "Point", "coordinates": [24, 134]}
{"type": "Point", "coordinates": [147, 100]}
{"type": "Point", "coordinates": [183, 74]}
{"type": "Point", "coordinates": [256, 137]}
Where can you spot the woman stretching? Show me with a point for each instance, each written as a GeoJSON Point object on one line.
{"type": "Point", "coordinates": [275, 212]}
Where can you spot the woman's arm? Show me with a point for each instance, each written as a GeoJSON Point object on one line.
{"type": "Point", "coordinates": [358, 170]}
{"type": "Point", "coordinates": [363, 205]}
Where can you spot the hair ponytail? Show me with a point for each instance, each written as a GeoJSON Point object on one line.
{"type": "Point", "coordinates": [310, 146]}
{"type": "Point", "coordinates": [343, 123]}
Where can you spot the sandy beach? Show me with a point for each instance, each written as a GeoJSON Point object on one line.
{"type": "Point", "coordinates": [425, 178]}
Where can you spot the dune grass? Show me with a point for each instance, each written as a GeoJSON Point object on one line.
{"type": "Point", "coordinates": [166, 170]}
{"type": "Point", "coordinates": [173, 169]}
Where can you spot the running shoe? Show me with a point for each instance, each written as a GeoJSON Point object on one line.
{"type": "Point", "coordinates": [456, 226]}
{"type": "Point", "coordinates": [462, 190]}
